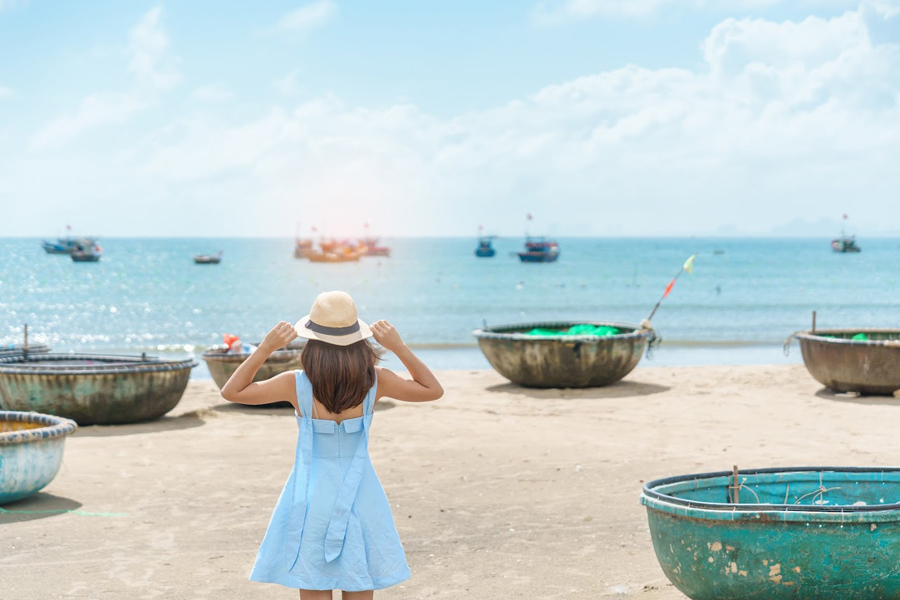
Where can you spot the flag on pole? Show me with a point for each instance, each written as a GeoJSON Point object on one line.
{"type": "Point", "coordinates": [687, 267]}
{"type": "Point", "coordinates": [669, 289]}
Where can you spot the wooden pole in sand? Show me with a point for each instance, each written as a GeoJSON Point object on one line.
{"type": "Point", "coordinates": [814, 322]}
{"type": "Point", "coordinates": [735, 486]}
{"type": "Point", "coordinates": [25, 346]}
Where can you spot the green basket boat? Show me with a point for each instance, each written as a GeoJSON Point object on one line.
{"type": "Point", "coordinates": [843, 364]}
{"type": "Point", "coordinates": [563, 361]}
{"type": "Point", "coordinates": [799, 533]}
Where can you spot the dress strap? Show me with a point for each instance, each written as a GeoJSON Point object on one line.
{"type": "Point", "coordinates": [304, 394]}
{"type": "Point", "coordinates": [369, 400]}
{"type": "Point", "coordinates": [302, 464]}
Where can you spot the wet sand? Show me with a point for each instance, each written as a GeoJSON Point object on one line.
{"type": "Point", "coordinates": [498, 492]}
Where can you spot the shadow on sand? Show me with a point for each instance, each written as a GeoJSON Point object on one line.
{"type": "Point", "coordinates": [620, 389]}
{"type": "Point", "coordinates": [188, 420]}
{"type": "Point", "coordinates": [853, 398]}
{"type": "Point", "coordinates": [39, 506]}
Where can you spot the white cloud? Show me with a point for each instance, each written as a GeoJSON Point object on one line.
{"type": "Point", "coordinates": [212, 93]}
{"type": "Point", "coordinates": [551, 12]}
{"type": "Point", "coordinates": [886, 8]}
{"type": "Point", "coordinates": [98, 109]}
{"type": "Point", "coordinates": [152, 71]}
{"type": "Point", "coordinates": [308, 17]}
{"type": "Point", "coordinates": [287, 85]}
{"type": "Point", "coordinates": [806, 111]}
{"type": "Point", "coordinates": [780, 121]}
{"type": "Point", "coordinates": [149, 45]}
{"type": "Point", "coordinates": [5, 92]}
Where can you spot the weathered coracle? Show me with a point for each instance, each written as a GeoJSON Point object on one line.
{"type": "Point", "coordinates": [31, 451]}
{"type": "Point", "coordinates": [222, 363]}
{"type": "Point", "coordinates": [870, 366]}
{"type": "Point", "coordinates": [804, 533]}
{"type": "Point", "coordinates": [564, 361]}
{"type": "Point", "coordinates": [94, 389]}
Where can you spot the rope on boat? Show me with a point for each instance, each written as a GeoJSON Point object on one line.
{"type": "Point", "coordinates": [787, 343]}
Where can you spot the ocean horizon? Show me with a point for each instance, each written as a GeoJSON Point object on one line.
{"type": "Point", "coordinates": [745, 297]}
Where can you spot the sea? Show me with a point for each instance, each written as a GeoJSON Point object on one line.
{"type": "Point", "coordinates": [744, 298]}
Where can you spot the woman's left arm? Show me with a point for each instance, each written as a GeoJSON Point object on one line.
{"type": "Point", "coordinates": [240, 387]}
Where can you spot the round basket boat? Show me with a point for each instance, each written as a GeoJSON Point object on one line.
{"type": "Point", "coordinates": [846, 365]}
{"type": "Point", "coordinates": [31, 451]}
{"type": "Point", "coordinates": [805, 533]}
{"type": "Point", "coordinates": [19, 350]}
{"type": "Point", "coordinates": [94, 389]}
{"type": "Point", "coordinates": [222, 364]}
{"type": "Point", "coordinates": [563, 361]}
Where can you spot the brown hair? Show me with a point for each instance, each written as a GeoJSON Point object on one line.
{"type": "Point", "coordinates": [341, 376]}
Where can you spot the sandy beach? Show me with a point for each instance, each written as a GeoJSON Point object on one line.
{"type": "Point", "coordinates": [497, 491]}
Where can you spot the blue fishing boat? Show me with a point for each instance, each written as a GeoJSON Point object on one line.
{"type": "Point", "coordinates": [539, 250]}
{"type": "Point", "coordinates": [66, 245]}
{"type": "Point", "coordinates": [845, 243]}
{"type": "Point", "coordinates": [485, 247]}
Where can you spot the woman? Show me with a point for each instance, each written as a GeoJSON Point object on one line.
{"type": "Point", "coordinates": [332, 527]}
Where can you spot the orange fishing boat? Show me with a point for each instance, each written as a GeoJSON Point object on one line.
{"type": "Point", "coordinates": [302, 248]}
{"type": "Point", "coordinates": [343, 254]}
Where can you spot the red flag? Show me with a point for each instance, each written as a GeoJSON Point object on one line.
{"type": "Point", "coordinates": [846, 216]}
{"type": "Point", "coordinates": [669, 288]}
{"type": "Point", "coordinates": [480, 227]}
{"type": "Point", "coordinates": [314, 228]}
{"type": "Point", "coordinates": [529, 217]}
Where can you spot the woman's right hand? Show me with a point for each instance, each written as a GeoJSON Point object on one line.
{"type": "Point", "coordinates": [385, 334]}
{"type": "Point", "coordinates": [280, 336]}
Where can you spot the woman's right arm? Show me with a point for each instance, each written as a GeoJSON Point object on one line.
{"type": "Point", "coordinates": [240, 387]}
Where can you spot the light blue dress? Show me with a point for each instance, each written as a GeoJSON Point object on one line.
{"type": "Point", "coordinates": [332, 528]}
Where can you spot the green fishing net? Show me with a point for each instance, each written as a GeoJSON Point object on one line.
{"type": "Point", "coordinates": [598, 330]}
{"type": "Point", "coordinates": [859, 337]}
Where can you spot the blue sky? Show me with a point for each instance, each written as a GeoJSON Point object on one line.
{"type": "Point", "coordinates": [601, 117]}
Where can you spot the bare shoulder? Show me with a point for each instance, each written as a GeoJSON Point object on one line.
{"type": "Point", "coordinates": [285, 386]}
{"type": "Point", "coordinates": [387, 381]}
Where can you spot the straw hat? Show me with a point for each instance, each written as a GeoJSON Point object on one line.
{"type": "Point", "coordinates": [333, 319]}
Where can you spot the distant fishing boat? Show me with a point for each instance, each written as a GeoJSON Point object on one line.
{"type": "Point", "coordinates": [373, 249]}
{"type": "Point", "coordinates": [485, 247]}
{"type": "Point", "coordinates": [845, 243]}
{"type": "Point", "coordinates": [86, 251]}
{"type": "Point", "coordinates": [302, 248]}
{"type": "Point", "coordinates": [64, 245]}
{"type": "Point", "coordinates": [342, 255]}
{"type": "Point", "coordinates": [370, 245]}
{"type": "Point", "coordinates": [539, 250]}
{"type": "Point", "coordinates": [208, 259]}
